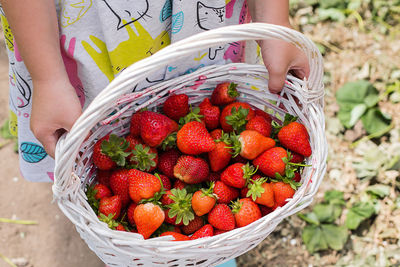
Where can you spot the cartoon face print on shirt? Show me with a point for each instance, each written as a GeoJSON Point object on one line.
{"type": "Point", "coordinates": [128, 11]}
{"type": "Point", "coordinates": [210, 17]}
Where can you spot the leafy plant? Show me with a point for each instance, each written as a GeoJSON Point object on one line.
{"type": "Point", "coordinates": [5, 133]}
{"type": "Point", "coordinates": [321, 232]}
{"type": "Point", "coordinates": [359, 212]}
{"type": "Point", "coordinates": [358, 100]}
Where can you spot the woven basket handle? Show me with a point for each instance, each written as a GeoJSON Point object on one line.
{"type": "Point", "coordinates": [69, 145]}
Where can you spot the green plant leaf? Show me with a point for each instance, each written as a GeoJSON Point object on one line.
{"type": "Point", "coordinates": [313, 238]}
{"type": "Point", "coordinates": [356, 113]}
{"type": "Point", "coordinates": [327, 213]}
{"type": "Point", "coordinates": [310, 217]}
{"type": "Point", "coordinates": [334, 235]}
{"type": "Point", "coordinates": [331, 14]}
{"type": "Point", "coordinates": [334, 197]}
{"type": "Point", "coordinates": [324, 4]}
{"type": "Point", "coordinates": [379, 190]}
{"type": "Point", "coordinates": [375, 121]}
{"type": "Point", "coordinates": [358, 213]}
{"type": "Point", "coordinates": [371, 100]}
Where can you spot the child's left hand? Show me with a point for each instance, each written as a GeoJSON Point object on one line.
{"type": "Point", "coordinates": [280, 57]}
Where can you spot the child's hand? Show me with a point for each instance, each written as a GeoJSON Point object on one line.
{"type": "Point", "coordinates": [55, 108]}
{"type": "Point", "coordinates": [279, 58]}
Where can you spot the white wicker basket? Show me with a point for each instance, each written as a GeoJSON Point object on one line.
{"type": "Point", "coordinates": [74, 168]}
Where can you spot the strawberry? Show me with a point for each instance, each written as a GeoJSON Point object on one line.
{"type": "Point", "coordinates": [235, 116]}
{"type": "Point", "coordinates": [297, 177]}
{"type": "Point", "coordinates": [216, 134]}
{"type": "Point", "coordinates": [193, 225]}
{"type": "Point", "coordinates": [296, 158]}
{"type": "Point", "coordinates": [261, 192]}
{"type": "Point", "coordinates": [103, 177]}
{"type": "Point", "coordinates": [211, 114]}
{"type": "Point", "coordinates": [181, 206]}
{"type": "Point", "coordinates": [236, 175]}
{"type": "Point", "coordinates": [134, 129]}
{"type": "Point", "coordinates": [271, 161]}
{"type": "Point", "coordinates": [193, 138]}
{"type": "Point", "coordinates": [224, 192]}
{"type": "Point", "coordinates": [130, 212]}
{"type": "Point", "coordinates": [243, 192]}
{"type": "Point", "coordinates": [224, 93]}
{"type": "Point", "coordinates": [167, 162]}
{"type": "Point", "coordinates": [120, 227]}
{"type": "Point", "coordinates": [119, 184]}
{"type": "Point", "coordinates": [109, 151]}
{"type": "Point", "coordinates": [191, 170]}
{"type": "Point", "coordinates": [239, 159]}
{"type": "Point", "coordinates": [245, 212]}
{"type": "Point", "coordinates": [203, 201]}
{"type": "Point", "coordinates": [142, 185]}
{"type": "Point", "coordinates": [148, 217]}
{"type": "Point", "coordinates": [166, 182]}
{"type": "Point", "coordinates": [282, 191]}
{"type": "Point", "coordinates": [265, 210]}
{"type": "Point", "coordinates": [294, 136]}
{"type": "Point", "coordinates": [110, 206]}
{"type": "Point", "coordinates": [156, 128]}
{"type": "Point", "coordinates": [221, 217]}
{"type": "Point", "coordinates": [249, 144]}
{"type": "Point", "coordinates": [220, 157]}
{"type": "Point", "coordinates": [260, 124]}
{"type": "Point", "coordinates": [214, 176]}
{"type": "Point", "coordinates": [176, 106]}
{"type": "Point", "coordinates": [178, 184]}
{"type": "Point", "coordinates": [171, 220]}
{"type": "Point", "coordinates": [218, 231]}
{"type": "Point", "coordinates": [205, 231]}
{"type": "Point", "coordinates": [262, 113]}
{"type": "Point", "coordinates": [165, 199]}
{"type": "Point", "coordinates": [101, 191]}
{"type": "Point", "coordinates": [177, 236]}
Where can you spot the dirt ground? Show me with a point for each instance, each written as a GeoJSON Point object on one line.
{"type": "Point", "coordinates": [53, 242]}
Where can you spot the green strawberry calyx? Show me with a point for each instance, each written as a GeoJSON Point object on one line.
{"type": "Point", "coordinates": [111, 223]}
{"type": "Point", "coordinates": [93, 202]}
{"type": "Point", "coordinates": [169, 141]}
{"type": "Point", "coordinates": [236, 145]}
{"type": "Point", "coordinates": [248, 171]}
{"type": "Point", "coordinates": [181, 207]}
{"type": "Point", "coordinates": [193, 115]}
{"type": "Point", "coordinates": [255, 188]}
{"type": "Point", "coordinates": [237, 119]}
{"type": "Point", "coordinates": [236, 206]}
{"type": "Point", "coordinates": [143, 158]}
{"type": "Point", "coordinates": [232, 91]}
{"type": "Point", "coordinates": [209, 192]}
{"type": "Point", "coordinates": [116, 148]}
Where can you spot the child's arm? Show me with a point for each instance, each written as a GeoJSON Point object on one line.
{"type": "Point", "coordinates": [55, 105]}
{"type": "Point", "coordinates": [279, 56]}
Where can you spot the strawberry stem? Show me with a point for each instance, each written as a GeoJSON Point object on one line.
{"type": "Point", "coordinates": [237, 119]}
{"type": "Point", "coordinates": [193, 115]}
{"type": "Point", "coordinates": [255, 188]}
{"type": "Point", "coordinates": [116, 148]}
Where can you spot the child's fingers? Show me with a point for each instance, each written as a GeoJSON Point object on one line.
{"type": "Point", "coordinates": [277, 76]}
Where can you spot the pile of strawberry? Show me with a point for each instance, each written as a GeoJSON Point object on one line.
{"type": "Point", "coordinates": [194, 172]}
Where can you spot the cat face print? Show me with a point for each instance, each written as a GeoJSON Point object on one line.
{"type": "Point", "coordinates": [128, 11]}
{"type": "Point", "coordinates": [210, 17]}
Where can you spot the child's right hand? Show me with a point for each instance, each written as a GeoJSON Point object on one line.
{"type": "Point", "coordinates": [55, 108]}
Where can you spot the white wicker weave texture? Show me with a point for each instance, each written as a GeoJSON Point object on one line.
{"type": "Point", "coordinates": [74, 168]}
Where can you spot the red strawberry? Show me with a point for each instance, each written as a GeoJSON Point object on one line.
{"type": "Point", "coordinates": [216, 134]}
{"type": "Point", "coordinates": [134, 129]}
{"type": "Point", "coordinates": [297, 177]}
{"type": "Point", "coordinates": [171, 220]}
{"type": "Point", "coordinates": [101, 191]}
{"type": "Point", "coordinates": [193, 225]}
{"type": "Point", "coordinates": [120, 227]}
{"type": "Point", "coordinates": [148, 217]}
{"type": "Point", "coordinates": [165, 199]}
{"type": "Point", "coordinates": [263, 114]}
{"type": "Point", "coordinates": [220, 157]}
{"type": "Point", "coordinates": [239, 159]}
{"type": "Point", "coordinates": [155, 128]}
{"type": "Point", "coordinates": [265, 210]}
{"type": "Point", "coordinates": [236, 175]}
{"type": "Point", "coordinates": [249, 144]}
{"type": "Point", "coordinates": [166, 182]}
{"type": "Point", "coordinates": [245, 212]}
{"type": "Point", "coordinates": [142, 185]}
{"type": "Point", "coordinates": [296, 158]}
{"type": "Point", "coordinates": [176, 106]}
{"type": "Point", "coordinates": [218, 231]}
{"type": "Point", "coordinates": [119, 184]}
{"type": "Point", "coordinates": [109, 151]}
{"type": "Point", "coordinates": [178, 184]}
{"type": "Point", "coordinates": [270, 162]}
{"type": "Point", "coordinates": [167, 162]}
{"type": "Point", "coordinates": [130, 213]}
{"type": "Point", "coordinates": [261, 192]}
{"type": "Point", "coordinates": [235, 116]}
{"type": "Point", "coordinates": [177, 236]}
{"type": "Point", "coordinates": [211, 114]}
{"type": "Point", "coordinates": [191, 170]}
{"type": "Point", "coordinates": [221, 217]}
{"type": "Point", "coordinates": [260, 124]}
{"type": "Point", "coordinates": [224, 192]}
{"type": "Point", "coordinates": [205, 231]}
{"type": "Point", "coordinates": [224, 93]}
{"type": "Point", "coordinates": [214, 176]}
{"type": "Point", "coordinates": [103, 177]}
{"type": "Point", "coordinates": [294, 136]}
{"type": "Point", "coordinates": [193, 138]}
{"type": "Point", "coordinates": [203, 201]}
{"type": "Point", "coordinates": [282, 191]}
{"type": "Point", "coordinates": [110, 206]}
{"type": "Point", "coordinates": [243, 192]}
